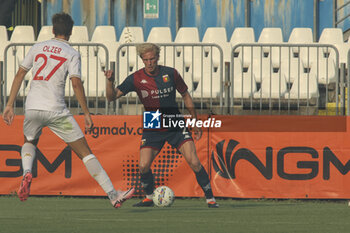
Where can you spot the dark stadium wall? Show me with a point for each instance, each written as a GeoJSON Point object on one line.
{"type": "Point", "coordinates": [286, 14]}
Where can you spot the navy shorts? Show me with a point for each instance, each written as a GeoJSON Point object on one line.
{"type": "Point", "coordinates": [157, 139]}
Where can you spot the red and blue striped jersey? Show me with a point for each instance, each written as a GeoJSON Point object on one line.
{"type": "Point", "coordinates": [156, 92]}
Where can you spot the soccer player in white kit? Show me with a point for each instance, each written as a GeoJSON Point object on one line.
{"type": "Point", "coordinates": [50, 62]}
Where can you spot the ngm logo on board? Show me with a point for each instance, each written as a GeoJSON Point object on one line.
{"type": "Point", "coordinates": [157, 120]}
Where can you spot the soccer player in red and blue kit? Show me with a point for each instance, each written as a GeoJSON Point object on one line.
{"type": "Point", "coordinates": [156, 88]}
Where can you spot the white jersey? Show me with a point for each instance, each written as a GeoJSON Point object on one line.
{"type": "Point", "coordinates": [51, 61]}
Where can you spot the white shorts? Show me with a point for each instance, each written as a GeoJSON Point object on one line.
{"type": "Point", "coordinates": [62, 124]}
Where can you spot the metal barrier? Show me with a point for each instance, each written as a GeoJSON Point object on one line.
{"type": "Point", "coordinates": [281, 79]}
{"type": "Point", "coordinates": [285, 79]}
{"type": "Point", "coordinates": [337, 11]}
{"type": "Point", "coordinates": [346, 97]}
{"type": "Point", "coordinates": [200, 65]}
{"type": "Point", "coordinates": [94, 59]}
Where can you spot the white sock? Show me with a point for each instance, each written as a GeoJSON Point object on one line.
{"type": "Point", "coordinates": [149, 196]}
{"type": "Point", "coordinates": [98, 173]}
{"type": "Point", "coordinates": [28, 156]}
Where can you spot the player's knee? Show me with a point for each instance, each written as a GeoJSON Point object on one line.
{"type": "Point", "coordinates": [195, 165]}
{"type": "Point", "coordinates": [144, 168]}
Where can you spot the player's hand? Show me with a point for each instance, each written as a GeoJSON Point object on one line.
{"type": "Point", "coordinates": [197, 133]}
{"type": "Point", "coordinates": [88, 122]}
{"type": "Point", "coordinates": [109, 75]}
{"type": "Point", "coordinates": [8, 115]}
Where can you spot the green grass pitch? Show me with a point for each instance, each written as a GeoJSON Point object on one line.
{"type": "Point", "coordinates": [75, 215]}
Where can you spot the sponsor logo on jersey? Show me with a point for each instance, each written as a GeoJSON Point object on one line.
{"type": "Point", "coordinates": [165, 78]}
{"type": "Point", "coordinates": [144, 94]}
{"type": "Point", "coordinates": [143, 81]}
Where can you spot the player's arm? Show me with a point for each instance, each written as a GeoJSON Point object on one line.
{"type": "Point", "coordinates": [191, 109]}
{"type": "Point", "coordinates": [112, 93]}
{"type": "Point", "coordinates": [79, 92]}
{"type": "Point", "coordinates": [8, 114]}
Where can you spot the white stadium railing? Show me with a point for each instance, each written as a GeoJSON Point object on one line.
{"type": "Point", "coordinates": [284, 77]}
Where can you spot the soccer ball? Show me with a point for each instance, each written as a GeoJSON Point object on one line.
{"type": "Point", "coordinates": [163, 196]}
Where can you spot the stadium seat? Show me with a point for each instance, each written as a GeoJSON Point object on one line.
{"type": "Point", "coordinates": [160, 35]}
{"type": "Point", "coordinates": [292, 67]}
{"type": "Point", "coordinates": [3, 44]}
{"type": "Point", "coordinates": [313, 61]}
{"type": "Point", "coordinates": [273, 85]}
{"type": "Point", "coordinates": [208, 64]}
{"type": "Point", "coordinates": [204, 70]}
{"type": "Point", "coordinates": [184, 54]}
{"type": "Point", "coordinates": [244, 84]}
{"type": "Point", "coordinates": [129, 60]}
{"type": "Point", "coordinates": [331, 36]}
{"type": "Point", "coordinates": [80, 35]}
{"type": "Point", "coordinates": [207, 82]}
{"type": "Point", "coordinates": [187, 35]}
{"type": "Point", "coordinates": [132, 35]}
{"type": "Point", "coordinates": [266, 58]}
{"type": "Point", "coordinates": [163, 35]}
{"type": "Point", "coordinates": [271, 36]}
{"type": "Point", "coordinates": [45, 33]}
{"type": "Point", "coordinates": [188, 60]}
{"type": "Point", "coordinates": [21, 34]}
{"type": "Point", "coordinates": [304, 87]}
{"type": "Point", "coordinates": [218, 36]}
{"type": "Point", "coordinates": [192, 81]}
{"type": "Point", "coordinates": [334, 36]}
{"type": "Point", "coordinates": [242, 35]}
{"type": "Point", "coordinates": [204, 77]}
{"type": "Point", "coordinates": [262, 65]}
{"type": "Point", "coordinates": [326, 70]}
{"type": "Point", "coordinates": [105, 35]}
{"type": "Point", "coordinates": [3, 33]}
{"type": "Point", "coordinates": [301, 36]}
{"type": "Point", "coordinates": [3, 41]}
{"type": "Point", "coordinates": [291, 61]}
{"type": "Point", "coordinates": [239, 36]}
{"type": "Point", "coordinates": [323, 59]}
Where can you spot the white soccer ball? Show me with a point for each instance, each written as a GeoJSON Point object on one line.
{"type": "Point", "coordinates": [163, 196]}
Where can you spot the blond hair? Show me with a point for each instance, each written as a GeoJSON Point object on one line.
{"type": "Point", "coordinates": [147, 47]}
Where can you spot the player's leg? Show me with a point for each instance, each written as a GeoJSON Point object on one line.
{"type": "Point", "coordinates": [184, 143]}
{"type": "Point", "coordinates": [82, 149]}
{"type": "Point", "coordinates": [28, 156]}
{"type": "Point", "coordinates": [188, 150]}
{"type": "Point", "coordinates": [75, 139]}
{"type": "Point", "coordinates": [151, 144]}
{"type": "Point", "coordinates": [147, 156]}
{"type": "Point", "coordinates": [32, 127]}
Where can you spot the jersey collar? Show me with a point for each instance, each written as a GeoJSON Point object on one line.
{"type": "Point", "coordinates": [153, 76]}
{"type": "Point", "coordinates": [61, 40]}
